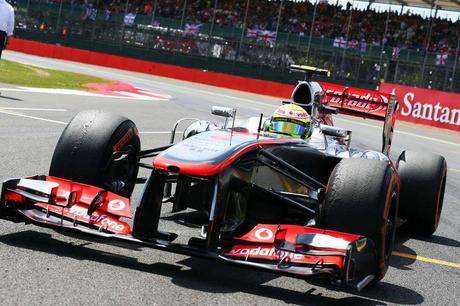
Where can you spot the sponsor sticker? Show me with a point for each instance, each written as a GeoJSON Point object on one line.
{"type": "Point", "coordinates": [116, 205]}
{"type": "Point", "coordinates": [263, 234]}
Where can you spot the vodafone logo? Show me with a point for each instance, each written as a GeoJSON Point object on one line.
{"type": "Point", "coordinates": [263, 234]}
{"type": "Point", "coordinates": [116, 205]}
{"type": "Point", "coordinates": [360, 100]}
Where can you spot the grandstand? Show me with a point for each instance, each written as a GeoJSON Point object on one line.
{"type": "Point", "coordinates": [363, 44]}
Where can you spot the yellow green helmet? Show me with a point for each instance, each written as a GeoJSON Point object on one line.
{"type": "Point", "coordinates": [292, 120]}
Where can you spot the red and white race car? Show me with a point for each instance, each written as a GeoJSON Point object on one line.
{"type": "Point", "coordinates": [303, 208]}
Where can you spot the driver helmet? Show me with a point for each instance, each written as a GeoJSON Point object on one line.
{"type": "Point", "coordinates": [292, 120]}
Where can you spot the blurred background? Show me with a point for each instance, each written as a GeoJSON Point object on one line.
{"type": "Point", "coordinates": [408, 42]}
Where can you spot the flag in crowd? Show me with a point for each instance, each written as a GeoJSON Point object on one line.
{"type": "Point", "coordinates": [353, 44]}
{"type": "Point", "coordinates": [262, 35]}
{"type": "Point", "coordinates": [192, 28]}
{"type": "Point", "coordinates": [90, 13]}
{"type": "Point", "coordinates": [107, 14]}
{"type": "Point", "coordinates": [252, 33]}
{"type": "Point", "coordinates": [266, 36]}
{"type": "Point", "coordinates": [93, 14]}
{"type": "Point", "coordinates": [340, 42]}
{"type": "Point", "coordinates": [129, 19]}
{"type": "Point", "coordinates": [441, 59]}
{"type": "Point", "coordinates": [395, 54]}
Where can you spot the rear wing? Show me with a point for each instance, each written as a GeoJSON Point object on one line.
{"type": "Point", "coordinates": [363, 103]}
{"type": "Point", "coordinates": [310, 71]}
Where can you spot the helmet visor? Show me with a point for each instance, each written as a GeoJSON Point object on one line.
{"type": "Point", "coordinates": [290, 128]}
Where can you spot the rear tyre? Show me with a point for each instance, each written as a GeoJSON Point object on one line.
{"type": "Point", "coordinates": [423, 182]}
{"type": "Point", "coordinates": [362, 198]}
{"type": "Point", "coordinates": [83, 152]}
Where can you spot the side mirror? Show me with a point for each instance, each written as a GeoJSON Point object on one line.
{"type": "Point", "coordinates": [221, 111]}
{"type": "Point", "coordinates": [328, 109]}
{"type": "Point", "coordinates": [334, 131]}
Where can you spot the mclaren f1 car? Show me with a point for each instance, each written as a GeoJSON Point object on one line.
{"type": "Point", "coordinates": [306, 208]}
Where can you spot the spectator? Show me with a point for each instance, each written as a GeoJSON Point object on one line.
{"type": "Point", "coordinates": [404, 30]}
{"type": "Point", "coordinates": [6, 24]}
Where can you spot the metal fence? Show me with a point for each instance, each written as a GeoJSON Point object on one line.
{"type": "Point", "coordinates": [225, 48]}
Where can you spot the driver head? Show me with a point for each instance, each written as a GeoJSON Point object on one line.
{"type": "Point", "coordinates": [292, 120]}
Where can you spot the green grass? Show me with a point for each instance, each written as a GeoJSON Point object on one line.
{"type": "Point", "coordinates": [31, 76]}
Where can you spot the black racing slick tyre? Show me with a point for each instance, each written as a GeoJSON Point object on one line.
{"type": "Point", "coordinates": [362, 198]}
{"type": "Point", "coordinates": [84, 151]}
{"type": "Point", "coordinates": [423, 182]}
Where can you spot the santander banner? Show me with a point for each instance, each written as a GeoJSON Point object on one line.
{"type": "Point", "coordinates": [426, 106]}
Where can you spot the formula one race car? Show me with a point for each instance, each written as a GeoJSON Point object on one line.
{"type": "Point", "coordinates": [299, 206]}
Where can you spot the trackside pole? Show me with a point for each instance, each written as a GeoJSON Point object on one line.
{"type": "Point", "coordinates": [311, 31]}
{"type": "Point", "coordinates": [346, 35]}
{"type": "Point", "coordinates": [428, 40]}
{"type": "Point", "coordinates": [277, 28]}
{"type": "Point", "coordinates": [243, 30]}
{"type": "Point", "coordinates": [381, 41]}
{"type": "Point", "coordinates": [455, 64]}
{"type": "Point", "coordinates": [155, 5]}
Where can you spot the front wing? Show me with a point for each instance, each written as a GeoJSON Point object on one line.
{"type": "Point", "coordinates": [293, 250]}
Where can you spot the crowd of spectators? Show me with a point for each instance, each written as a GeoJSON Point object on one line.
{"type": "Point", "coordinates": [331, 20]}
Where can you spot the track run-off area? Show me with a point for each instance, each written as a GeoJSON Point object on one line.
{"type": "Point", "coordinates": [40, 266]}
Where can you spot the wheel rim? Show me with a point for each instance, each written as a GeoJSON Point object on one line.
{"type": "Point", "coordinates": [125, 172]}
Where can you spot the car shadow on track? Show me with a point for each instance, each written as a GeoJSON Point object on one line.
{"type": "Point", "coordinates": [403, 263]}
{"type": "Point", "coordinates": [214, 277]}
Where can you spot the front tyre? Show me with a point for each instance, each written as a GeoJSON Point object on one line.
{"type": "Point", "coordinates": [83, 152]}
{"type": "Point", "coordinates": [362, 198]}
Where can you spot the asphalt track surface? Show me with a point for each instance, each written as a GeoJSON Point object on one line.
{"type": "Point", "coordinates": [39, 266]}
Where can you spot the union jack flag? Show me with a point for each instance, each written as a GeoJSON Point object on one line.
{"type": "Point", "coordinates": [129, 19]}
{"type": "Point", "coordinates": [252, 33]}
{"type": "Point", "coordinates": [441, 59]}
{"type": "Point", "coordinates": [192, 29]}
{"type": "Point", "coordinates": [266, 36]}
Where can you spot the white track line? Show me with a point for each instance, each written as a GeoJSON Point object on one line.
{"type": "Point", "coordinates": [34, 109]}
{"type": "Point", "coordinates": [53, 91]}
{"type": "Point", "coordinates": [32, 117]}
{"type": "Point", "coordinates": [401, 132]}
{"type": "Point", "coordinates": [138, 96]}
{"type": "Point", "coordinates": [75, 93]}
{"type": "Point", "coordinates": [65, 123]}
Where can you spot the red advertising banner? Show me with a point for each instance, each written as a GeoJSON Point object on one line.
{"type": "Point", "coordinates": [430, 107]}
